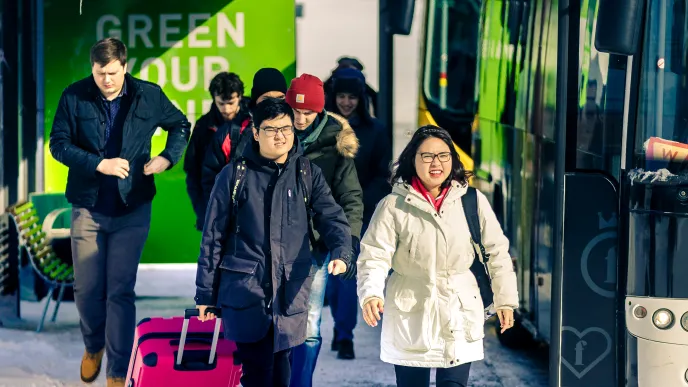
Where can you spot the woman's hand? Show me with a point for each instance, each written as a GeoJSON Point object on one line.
{"type": "Point", "coordinates": [201, 313]}
{"type": "Point", "coordinates": [372, 310]}
{"type": "Point", "coordinates": [506, 318]}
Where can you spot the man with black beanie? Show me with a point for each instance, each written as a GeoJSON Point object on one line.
{"type": "Point", "coordinates": [230, 140]}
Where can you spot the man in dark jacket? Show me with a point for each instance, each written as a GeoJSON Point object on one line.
{"type": "Point", "coordinates": [255, 259]}
{"type": "Point", "coordinates": [231, 139]}
{"type": "Point", "coordinates": [330, 143]}
{"type": "Point", "coordinates": [348, 98]}
{"type": "Point", "coordinates": [227, 91]}
{"type": "Point", "coordinates": [102, 132]}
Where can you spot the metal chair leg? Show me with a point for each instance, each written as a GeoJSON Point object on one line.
{"type": "Point", "coordinates": [59, 300]}
{"type": "Point", "coordinates": [45, 310]}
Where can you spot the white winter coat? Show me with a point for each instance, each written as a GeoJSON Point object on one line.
{"type": "Point", "coordinates": [433, 312]}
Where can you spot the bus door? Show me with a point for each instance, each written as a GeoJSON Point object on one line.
{"type": "Point", "coordinates": [590, 117]}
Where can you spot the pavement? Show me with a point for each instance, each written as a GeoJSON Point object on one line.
{"type": "Point", "coordinates": [51, 358]}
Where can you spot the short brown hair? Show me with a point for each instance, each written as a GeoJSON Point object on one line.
{"type": "Point", "coordinates": [107, 50]}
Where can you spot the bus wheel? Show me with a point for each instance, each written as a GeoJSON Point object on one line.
{"type": "Point", "coordinates": [516, 337]}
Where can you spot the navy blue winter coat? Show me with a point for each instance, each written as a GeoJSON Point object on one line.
{"type": "Point", "coordinates": [261, 274]}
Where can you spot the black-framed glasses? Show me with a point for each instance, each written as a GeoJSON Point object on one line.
{"type": "Point", "coordinates": [428, 157]}
{"type": "Point", "coordinates": [272, 131]}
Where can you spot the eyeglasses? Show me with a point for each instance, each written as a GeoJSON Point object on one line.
{"type": "Point", "coordinates": [272, 132]}
{"type": "Point", "coordinates": [428, 158]}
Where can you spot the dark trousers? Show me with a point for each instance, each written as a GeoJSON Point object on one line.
{"type": "Point", "coordinates": [261, 366]}
{"type": "Point", "coordinates": [343, 305]}
{"type": "Point", "coordinates": [106, 252]}
{"type": "Point", "coordinates": [420, 377]}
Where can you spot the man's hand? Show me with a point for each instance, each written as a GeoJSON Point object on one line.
{"type": "Point", "coordinates": [506, 318]}
{"type": "Point", "coordinates": [201, 313]}
{"type": "Point", "coordinates": [114, 167]}
{"type": "Point", "coordinates": [372, 310]}
{"type": "Point", "coordinates": [336, 267]}
{"type": "Point", "coordinates": [157, 164]}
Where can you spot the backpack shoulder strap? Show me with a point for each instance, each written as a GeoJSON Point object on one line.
{"type": "Point", "coordinates": [239, 139]}
{"type": "Point", "coordinates": [306, 178]}
{"type": "Point", "coordinates": [470, 207]}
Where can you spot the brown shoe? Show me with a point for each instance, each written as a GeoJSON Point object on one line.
{"type": "Point", "coordinates": [90, 366]}
{"type": "Point", "coordinates": [115, 382]}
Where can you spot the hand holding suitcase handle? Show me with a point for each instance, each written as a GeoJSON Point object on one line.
{"type": "Point", "coordinates": [209, 312]}
{"type": "Point", "coordinates": [188, 313]}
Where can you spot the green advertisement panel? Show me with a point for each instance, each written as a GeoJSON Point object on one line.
{"type": "Point", "coordinates": [180, 45]}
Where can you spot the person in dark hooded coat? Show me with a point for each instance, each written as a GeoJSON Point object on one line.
{"type": "Point", "coordinates": [255, 260]}
{"type": "Point", "coordinates": [348, 98]}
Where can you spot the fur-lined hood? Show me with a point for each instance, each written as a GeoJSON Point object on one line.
{"type": "Point", "coordinates": [347, 142]}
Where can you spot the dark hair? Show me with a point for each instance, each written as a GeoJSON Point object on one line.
{"type": "Point", "coordinates": [225, 84]}
{"type": "Point", "coordinates": [271, 108]}
{"type": "Point", "coordinates": [405, 166]}
{"type": "Point", "coordinates": [107, 50]}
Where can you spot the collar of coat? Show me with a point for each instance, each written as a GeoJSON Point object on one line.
{"type": "Point", "coordinates": [416, 199]}
{"type": "Point", "coordinates": [336, 133]}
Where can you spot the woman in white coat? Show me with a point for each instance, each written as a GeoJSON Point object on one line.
{"type": "Point", "coordinates": [433, 312]}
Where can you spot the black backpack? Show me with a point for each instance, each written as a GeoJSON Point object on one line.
{"type": "Point", "coordinates": [304, 176]}
{"type": "Point", "coordinates": [479, 266]}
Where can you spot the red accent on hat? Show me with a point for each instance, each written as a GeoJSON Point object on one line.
{"type": "Point", "coordinates": [306, 92]}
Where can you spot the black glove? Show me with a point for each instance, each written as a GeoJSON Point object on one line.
{"type": "Point", "coordinates": [351, 265]}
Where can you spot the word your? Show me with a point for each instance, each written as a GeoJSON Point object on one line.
{"type": "Point", "coordinates": [170, 34]}
{"type": "Point", "coordinates": [211, 65]}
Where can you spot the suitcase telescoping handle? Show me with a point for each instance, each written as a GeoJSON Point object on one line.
{"type": "Point", "coordinates": [188, 313]}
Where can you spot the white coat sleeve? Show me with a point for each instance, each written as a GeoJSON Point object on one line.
{"type": "Point", "coordinates": [499, 265]}
{"type": "Point", "coordinates": [377, 249]}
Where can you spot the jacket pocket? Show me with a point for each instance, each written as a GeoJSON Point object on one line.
{"type": "Point", "coordinates": [472, 317]}
{"type": "Point", "coordinates": [297, 287]}
{"type": "Point", "coordinates": [239, 287]}
{"type": "Point", "coordinates": [410, 320]}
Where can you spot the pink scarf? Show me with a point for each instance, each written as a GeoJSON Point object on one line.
{"type": "Point", "coordinates": [436, 202]}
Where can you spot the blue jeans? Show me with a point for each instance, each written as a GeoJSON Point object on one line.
{"type": "Point", "coordinates": [305, 356]}
{"type": "Point", "coordinates": [344, 306]}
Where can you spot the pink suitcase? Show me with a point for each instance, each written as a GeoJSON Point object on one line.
{"type": "Point", "coordinates": [182, 351]}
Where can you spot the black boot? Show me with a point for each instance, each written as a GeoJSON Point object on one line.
{"type": "Point", "coordinates": [346, 350]}
{"type": "Point", "coordinates": [335, 343]}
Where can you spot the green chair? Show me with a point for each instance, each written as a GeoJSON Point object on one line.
{"type": "Point", "coordinates": [36, 240]}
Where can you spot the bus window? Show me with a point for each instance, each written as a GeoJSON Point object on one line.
{"type": "Point", "coordinates": [451, 54]}
{"type": "Point", "coordinates": [662, 131]}
{"type": "Point", "coordinates": [600, 105]}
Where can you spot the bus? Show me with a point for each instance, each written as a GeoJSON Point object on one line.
{"type": "Point", "coordinates": [571, 113]}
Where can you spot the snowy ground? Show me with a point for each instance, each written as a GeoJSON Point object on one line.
{"type": "Point", "coordinates": [51, 358]}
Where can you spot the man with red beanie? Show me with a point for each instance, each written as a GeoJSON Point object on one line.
{"type": "Point", "coordinates": [331, 144]}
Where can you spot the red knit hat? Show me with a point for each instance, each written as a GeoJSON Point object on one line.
{"type": "Point", "coordinates": [306, 92]}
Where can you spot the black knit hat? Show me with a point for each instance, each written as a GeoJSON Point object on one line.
{"type": "Point", "coordinates": [267, 79]}
{"type": "Point", "coordinates": [348, 80]}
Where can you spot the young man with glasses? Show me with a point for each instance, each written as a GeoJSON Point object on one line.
{"type": "Point", "coordinates": [255, 259]}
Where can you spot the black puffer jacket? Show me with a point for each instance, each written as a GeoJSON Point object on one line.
{"type": "Point", "coordinates": [259, 271]}
{"type": "Point", "coordinates": [77, 139]}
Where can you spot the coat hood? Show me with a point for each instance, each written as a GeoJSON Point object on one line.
{"type": "Point", "coordinates": [347, 142]}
